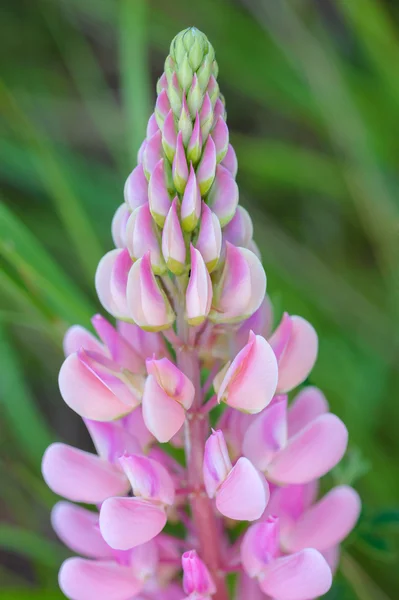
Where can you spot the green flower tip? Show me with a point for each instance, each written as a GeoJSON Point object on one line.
{"type": "Point", "coordinates": [191, 48]}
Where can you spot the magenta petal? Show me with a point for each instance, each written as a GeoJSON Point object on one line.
{"type": "Point", "coordinates": [306, 406]}
{"type": "Point", "coordinates": [129, 522]}
{"type": "Point", "coordinates": [299, 576]}
{"type": "Point", "coordinates": [327, 522]}
{"type": "Point", "coordinates": [311, 453]}
{"type": "Point", "coordinates": [244, 494]}
{"type": "Point", "coordinates": [81, 476]}
{"type": "Point", "coordinates": [78, 529]}
{"type": "Point", "coordinates": [82, 579]}
{"type": "Point", "coordinates": [87, 395]}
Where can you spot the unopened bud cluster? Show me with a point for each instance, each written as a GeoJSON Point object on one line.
{"type": "Point", "coordinates": [188, 292]}
{"type": "Point", "coordinates": [181, 213]}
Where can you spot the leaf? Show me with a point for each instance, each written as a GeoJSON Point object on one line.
{"type": "Point", "coordinates": [18, 406]}
{"type": "Point", "coordinates": [31, 545]}
{"type": "Point", "coordinates": [41, 275]}
{"type": "Point", "coordinates": [133, 43]}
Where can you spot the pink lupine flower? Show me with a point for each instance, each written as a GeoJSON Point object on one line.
{"type": "Point", "coordinates": [241, 287]}
{"type": "Point", "coordinates": [295, 345]}
{"type": "Point", "coordinates": [187, 287]}
{"type": "Point", "coordinates": [250, 381]}
{"type": "Point", "coordinates": [197, 581]}
{"type": "Point", "coordinates": [240, 491]}
{"type": "Point", "coordinates": [302, 456]}
{"type": "Point", "coordinates": [308, 524]}
{"type": "Point", "coordinates": [168, 393]}
{"type": "Point", "coordinates": [299, 576]}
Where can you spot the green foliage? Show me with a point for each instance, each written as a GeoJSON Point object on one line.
{"type": "Point", "coordinates": [312, 99]}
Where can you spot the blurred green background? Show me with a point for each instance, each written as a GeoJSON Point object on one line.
{"type": "Point", "coordinates": [312, 90]}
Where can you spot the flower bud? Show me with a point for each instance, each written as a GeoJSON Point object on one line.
{"type": "Point", "coordinates": [199, 290]}
{"type": "Point", "coordinates": [213, 90]}
{"type": "Point", "coordinates": [169, 136]}
{"type": "Point", "coordinates": [206, 117]}
{"type": "Point", "coordinates": [111, 280]}
{"type": "Point", "coordinates": [223, 195]}
{"type": "Point", "coordinates": [191, 203]}
{"type": "Point", "coordinates": [162, 107]}
{"type": "Point", "coordinates": [152, 126]}
{"type": "Point", "coordinates": [194, 147]}
{"type": "Point", "coordinates": [185, 124]}
{"type": "Point", "coordinates": [184, 73]}
{"type": "Point", "coordinates": [179, 167]}
{"type": "Point", "coordinates": [194, 97]}
{"type": "Point", "coordinates": [197, 581]}
{"type": "Point", "coordinates": [173, 245]}
{"type": "Point", "coordinates": [140, 152]}
{"type": "Point", "coordinates": [193, 42]}
{"type": "Point", "coordinates": [207, 167]}
{"type": "Point", "coordinates": [204, 72]}
{"type": "Point", "coordinates": [162, 83]}
{"type": "Point", "coordinates": [219, 110]}
{"type": "Point", "coordinates": [241, 286]}
{"type": "Point", "coordinates": [168, 393]}
{"type": "Point", "coordinates": [251, 379]}
{"type": "Point", "coordinates": [136, 188]}
{"type": "Point", "coordinates": [147, 302]}
{"type": "Point", "coordinates": [175, 94]}
{"type": "Point", "coordinates": [158, 195]}
{"type": "Point", "coordinates": [220, 135]}
{"type": "Point", "coordinates": [142, 236]}
{"type": "Point", "coordinates": [118, 227]}
{"type": "Point", "coordinates": [230, 161]}
{"type": "Point", "coordinates": [153, 153]}
{"type": "Point", "coordinates": [295, 344]}
{"type": "Point", "coordinates": [239, 230]}
{"type": "Point", "coordinates": [209, 241]}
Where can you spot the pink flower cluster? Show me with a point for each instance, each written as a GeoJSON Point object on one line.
{"type": "Point", "coordinates": [193, 335]}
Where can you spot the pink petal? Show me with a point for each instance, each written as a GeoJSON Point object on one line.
{"type": "Point", "coordinates": [82, 579]}
{"type": "Point", "coordinates": [78, 337]}
{"type": "Point", "coordinates": [199, 290]}
{"type": "Point", "coordinates": [129, 522]}
{"type": "Point", "coordinates": [103, 281]}
{"type": "Point", "coordinates": [136, 188]}
{"type": "Point", "coordinates": [172, 380]}
{"type": "Point", "coordinates": [299, 576]}
{"type": "Point", "coordinates": [118, 226]}
{"type": "Point", "coordinates": [81, 476]}
{"type": "Point", "coordinates": [311, 453]}
{"type": "Point", "coordinates": [79, 530]}
{"type": "Point", "coordinates": [196, 577]}
{"type": "Point", "coordinates": [250, 381]}
{"type": "Point", "coordinates": [299, 356]}
{"type": "Point", "coordinates": [111, 440]}
{"type": "Point", "coordinates": [86, 394]}
{"type": "Point", "coordinates": [326, 523]}
{"type": "Point", "coordinates": [267, 434]}
{"type": "Point", "coordinates": [148, 478]}
{"type": "Point", "coordinates": [244, 494]}
{"type": "Point", "coordinates": [162, 414]}
{"type": "Point", "coordinates": [306, 406]}
{"type": "Point", "coordinates": [260, 546]}
{"type": "Point", "coordinates": [217, 464]}
{"type": "Point", "coordinates": [121, 351]}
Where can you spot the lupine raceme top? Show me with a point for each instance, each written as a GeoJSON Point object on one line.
{"type": "Point", "coordinates": [193, 346]}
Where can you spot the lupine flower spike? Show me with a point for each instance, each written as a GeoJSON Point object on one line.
{"type": "Point", "coordinates": [188, 292]}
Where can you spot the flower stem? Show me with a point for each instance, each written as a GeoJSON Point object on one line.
{"type": "Point", "coordinates": [203, 514]}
